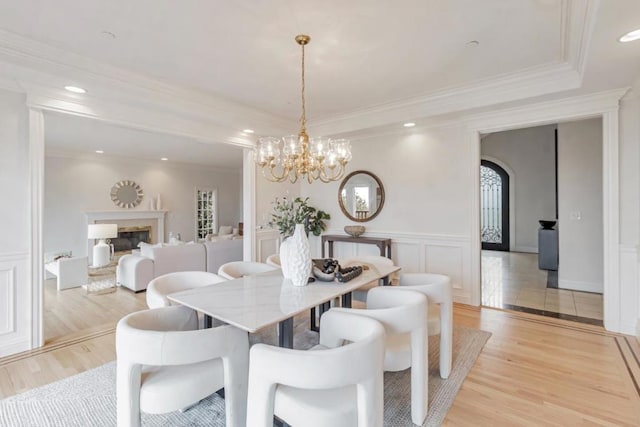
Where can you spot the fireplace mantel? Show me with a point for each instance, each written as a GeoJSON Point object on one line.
{"type": "Point", "coordinates": [93, 216]}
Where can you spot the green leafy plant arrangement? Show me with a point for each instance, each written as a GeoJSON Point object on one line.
{"type": "Point", "coordinates": [287, 213]}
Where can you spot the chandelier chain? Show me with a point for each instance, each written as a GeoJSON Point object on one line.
{"type": "Point", "coordinates": [303, 117]}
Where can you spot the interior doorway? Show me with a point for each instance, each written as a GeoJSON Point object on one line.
{"type": "Point", "coordinates": [515, 273]}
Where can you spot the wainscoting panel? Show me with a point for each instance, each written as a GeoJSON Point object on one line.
{"type": "Point", "coordinates": [15, 305]}
{"type": "Point", "coordinates": [268, 243]}
{"type": "Point", "coordinates": [7, 300]}
{"type": "Point", "coordinates": [420, 253]}
{"type": "Point", "coordinates": [446, 260]}
{"type": "Point", "coordinates": [411, 254]}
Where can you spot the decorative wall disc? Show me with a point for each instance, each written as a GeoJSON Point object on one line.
{"type": "Point", "coordinates": [126, 194]}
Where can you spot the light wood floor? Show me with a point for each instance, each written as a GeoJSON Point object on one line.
{"type": "Point", "coordinates": [533, 371]}
{"type": "Point", "coordinates": [71, 312]}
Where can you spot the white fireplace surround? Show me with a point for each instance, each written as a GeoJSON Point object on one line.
{"type": "Point", "coordinates": [158, 217]}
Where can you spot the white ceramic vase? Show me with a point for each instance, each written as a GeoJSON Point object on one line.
{"type": "Point", "coordinates": [295, 257]}
{"type": "Point", "coordinates": [159, 203]}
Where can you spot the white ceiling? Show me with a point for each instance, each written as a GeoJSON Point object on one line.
{"type": "Point", "coordinates": [372, 63]}
{"type": "Point", "coordinates": [72, 135]}
{"type": "Point", "coordinates": [360, 55]}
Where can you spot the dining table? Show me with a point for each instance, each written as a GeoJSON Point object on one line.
{"type": "Point", "coordinates": [254, 302]}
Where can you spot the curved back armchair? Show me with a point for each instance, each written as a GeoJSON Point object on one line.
{"type": "Point", "coordinates": [439, 292]}
{"type": "Point", "coordinates": [330, 385]}
{"type": "Point", "coordinates": [169, 283]}
{"type": "Point", "coordinates": [238, 269]}
{"type": "Point", "coordinates": [164, 363]}
{"type": "Point", "coordinates": [403, 313]}
{"type": "Point", "coordinates": [273, 260]}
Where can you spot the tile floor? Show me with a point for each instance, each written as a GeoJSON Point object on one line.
{"type": "Point", "coordinates": [512, 279]}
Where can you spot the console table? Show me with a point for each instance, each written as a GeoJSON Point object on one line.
{"type": "Point", "coordinates": [383, 244]}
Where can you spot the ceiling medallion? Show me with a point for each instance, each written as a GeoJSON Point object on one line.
{"type": "Point", "coordinates": [314, 158]}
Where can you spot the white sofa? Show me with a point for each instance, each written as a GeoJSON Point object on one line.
{"type": "Point", "coordinates": [136, 271]}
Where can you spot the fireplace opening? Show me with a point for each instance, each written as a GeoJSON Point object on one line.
{"type": "Point", "coordinates": [129, 237]}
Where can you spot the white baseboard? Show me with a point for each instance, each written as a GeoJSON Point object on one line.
{"type": "Point", "coordinates": [526, 249]}
{"type": "Point", "coordinates": [16, 346]}
{"type": "Point", "coordinates": [575, 285]}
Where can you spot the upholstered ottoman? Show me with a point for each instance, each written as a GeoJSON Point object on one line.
{"type": "Point", "coordinates": [134, 272]}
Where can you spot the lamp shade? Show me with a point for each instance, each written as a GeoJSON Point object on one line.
{"type": "Point", "coordinates": [102, 231]}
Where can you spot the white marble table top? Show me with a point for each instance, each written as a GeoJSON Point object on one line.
{"type": "Point", "coordinates": [254, 302]}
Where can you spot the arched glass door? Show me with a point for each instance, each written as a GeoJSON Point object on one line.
{"type": "Point", "coordinates": [494, 206]}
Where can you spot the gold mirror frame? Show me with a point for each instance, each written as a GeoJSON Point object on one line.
{"type": "Point", "coordinates": [134, 196]}
{"type": "Point", "coordinates": [380, 201]}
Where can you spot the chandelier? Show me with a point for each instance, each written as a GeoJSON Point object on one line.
{"type": "Point", "coordinates": [298, 156]}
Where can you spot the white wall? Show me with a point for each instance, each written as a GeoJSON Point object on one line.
{"type": "Point", "coordinates": [75, 185]}
{"type": "Point", "coordinates": [580, 205]}
{"type": "Point", "coordinates": [530, 154]}
{"type": "Point", "coordinates": [15, 283]}
{"type": "Point", "coordinates": [426, 175]}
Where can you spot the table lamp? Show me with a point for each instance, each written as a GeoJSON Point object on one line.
{"type": "Point", "coordinates": [102, 251]}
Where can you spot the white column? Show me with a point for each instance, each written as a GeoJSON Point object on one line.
{"type": "Point", "coordinates": [249, 205]}
{"type": "Point", "coordinates": [36, 185]}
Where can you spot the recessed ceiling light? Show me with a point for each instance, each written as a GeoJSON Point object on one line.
{"type": "Point", "coordinates": [75, 89]}
{"type": "Point", "coordinates": [630, 36]}
{"type": "Point", "coordinates": [164, 159]}
{"type": "Point", "coordinates": [473, 43]}
{"type": "Point", "coordinates": [99, 151]}
{"type": "Point", "coordinates": [248, 131]}
{"type": "Point", "coordinates": [409, 124]}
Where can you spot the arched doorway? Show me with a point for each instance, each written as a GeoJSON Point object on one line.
{"type": "Point", "coordinates": [494, 207]}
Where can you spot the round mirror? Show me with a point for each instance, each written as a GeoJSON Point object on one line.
{"type": "Point", "coordinates": [126, 194]}
{"type": "Point", "coordinates": [361, 196]}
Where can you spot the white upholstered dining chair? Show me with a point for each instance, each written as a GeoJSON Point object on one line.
{"type": "Point", "coordinates": [238, 269]}
{"type": "Point", "coordinates": [403, 313]}
{"type": "Point", "coordinates": [437, 288]}
{"type": "Point", "coordinates": [164, 363]}
{"type": "Point", "coordinates": [169, 283]}
{"type": "Point", "coordinates": [330, 385]}
{"type": "Point", "coordinates": [273, 260]}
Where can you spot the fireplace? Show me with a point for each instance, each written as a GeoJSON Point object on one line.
{"type": "Point", "coordinates": [133, 219]}
{"type": "Point", "coordinates": [129, 238]}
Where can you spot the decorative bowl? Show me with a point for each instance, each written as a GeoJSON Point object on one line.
{"type": "Point", "coordinates": [319, 273]}
{"type": "Point", "coordinates": [547, 224]}
{"type": "Point", "coordinates": [354, 230]}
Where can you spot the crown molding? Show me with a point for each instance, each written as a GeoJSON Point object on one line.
{"type": "Point", "coordinates": [501, 119]}
{"type": "Point", "coordinates": [57, 153]}
{"type": "Point", "coordinates": [534, 82]}
{"type": "Point", "coordinates": [37, 63]}
{"type": "Point", "coordinates": [578, 22]}
{"type": "Point", "coordinates": [134, 116]}
{"type": "Point", "coordinates": [547, 112]}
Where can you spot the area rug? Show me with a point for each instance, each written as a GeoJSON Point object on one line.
{"type": "Point", "coordinates": [88, 399]}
